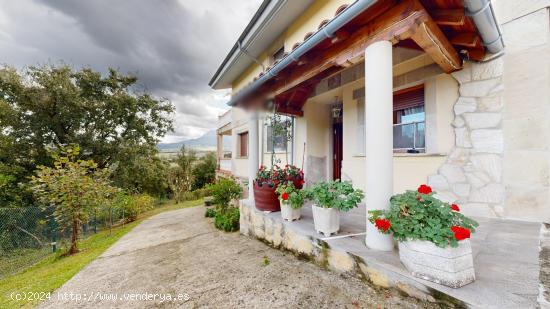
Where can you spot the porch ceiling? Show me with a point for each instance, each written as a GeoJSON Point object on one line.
{"type": "Point", "coordinates": [438, 27]}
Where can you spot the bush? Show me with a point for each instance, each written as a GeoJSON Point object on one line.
{"type": "Point", "coordinates": [195, 195]}
{"type": "Point", "coordinates": [130, 207]}
{"type": "Point", "coordinates": [210, 213]}
{"type": "Point", "coordinates": [419, 215]}
{"type": "Point", "coordinates": [204, 172]}
{"type": "Point", "coordinates": [227, 220]}
{"type": "Point", "coordinates": [224, 191]}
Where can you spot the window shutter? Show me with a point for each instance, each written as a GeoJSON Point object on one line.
{"type": "Point", "coordinates": [407, 98]}
{"type": "Point", "coordinates": [244, 144]}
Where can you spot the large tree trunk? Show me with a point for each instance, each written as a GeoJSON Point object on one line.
{"type": "Point", "coordinates": [74, 237]}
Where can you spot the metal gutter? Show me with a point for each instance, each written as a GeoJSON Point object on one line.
{"type": "Point", "coordinates": [235, 47]}
{"type": "Point", "coordinates": [327, 31]}
{"type": "Point", "coordinates": [483, 16]}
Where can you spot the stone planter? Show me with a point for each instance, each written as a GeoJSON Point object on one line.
{"type": "Point", "coordinates": [453, 267]}
{"type": "Point", "coordinates": [266, 198]}
{"type": "Point", "coordinates": [326, 220]}
{"type": "Point", "coordinates": [288, 213]}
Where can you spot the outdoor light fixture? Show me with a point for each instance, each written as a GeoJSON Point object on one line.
{"type": "Point", "coordinates": [336, 108]}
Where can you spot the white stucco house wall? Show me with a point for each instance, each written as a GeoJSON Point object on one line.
{"type": "Point", "coordinates": [481, 133]}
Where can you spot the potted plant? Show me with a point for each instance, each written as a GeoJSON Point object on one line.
{"type": "Point", "coordinates": [291, 200]}
{"type": "Point", "coordinates": [433, 236]}
{"type": "Point", "coordinates": [267, 181]}
{"type": "Point", "coordinates": [294, 174]}
{"type": "Point", "coordinates": [329, 199]}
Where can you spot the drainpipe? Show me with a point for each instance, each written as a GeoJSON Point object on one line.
{"type": "Point", "coordinates": [483, 16]}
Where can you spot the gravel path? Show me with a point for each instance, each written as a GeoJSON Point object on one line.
{"type": "Point", "coordinates": [181, 254]}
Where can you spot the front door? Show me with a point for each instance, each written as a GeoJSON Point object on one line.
{"type": "Point", "coordinates": [338, 150]}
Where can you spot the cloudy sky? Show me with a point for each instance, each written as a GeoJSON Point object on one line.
{"type": "Point", "coordinates": [173, 46]}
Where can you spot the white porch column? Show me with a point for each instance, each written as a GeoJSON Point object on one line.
{"type": "Point", "coordinates": [378, 136]}
{"type": "Point", "coordinates": [253, 152]}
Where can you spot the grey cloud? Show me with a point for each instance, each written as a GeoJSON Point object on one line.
{"type": "Point", "coordinates": [173, 46]}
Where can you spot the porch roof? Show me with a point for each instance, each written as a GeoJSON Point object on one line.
{"type": "Point", "coordinates": [441, 28]}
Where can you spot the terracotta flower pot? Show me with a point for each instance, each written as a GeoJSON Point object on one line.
{"type": "Point", "coordinates": [265, 197]}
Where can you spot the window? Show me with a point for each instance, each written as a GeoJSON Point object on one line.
{"type": "Point", "coordinates": [360, 126]}
{"type": "Point", "coordinates": [279, 54]}
{"type": "Point", "coordinates": [243, 144]}
{"type": "Point", "coordinates": [280, 141]}
{"type": "Point", "coordinates": [409, 119]}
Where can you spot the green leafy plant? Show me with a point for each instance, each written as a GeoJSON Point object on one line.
{"type": "Point", "coordinates": [289, 194]}
{"type": "Point", "coordinates": [335, 194]}
{"type": "Point", "coordinates": [209, 213]}
{"type": "Point", "coordinates": [227, 220]}
{"type": "Point", "coordinates": [419, 215]}
{"type": "Point", "coordinates": [276, 175]}
{"type": "Point", "coordinates": [129, 207]}
{"type": "Point", "coordinates": [74, 187]}
{"type": "Point", "coordinates": [224, 191]}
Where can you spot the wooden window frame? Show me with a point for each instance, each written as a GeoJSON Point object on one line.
{"type": "Point", "coordinates": [243, 147]}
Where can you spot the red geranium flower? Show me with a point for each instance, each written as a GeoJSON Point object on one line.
{"type": "Point", "coordinates": [424, 189]}
{"type": "Point", "coordinates": [455, 207]}
{"type": "Point", "coordinates": [302, 182]}
{"type": "Point", "coordinates": [284, 196]}
{"type": "Point", "coordinates": [382, 224]}
{"type": "Point", "coordinates": [460, 232]}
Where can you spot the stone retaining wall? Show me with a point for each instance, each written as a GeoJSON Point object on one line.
{"type": "Point", "coordinates": [472, 174]}
{"type": "Point", "coordinates": [279, 235]}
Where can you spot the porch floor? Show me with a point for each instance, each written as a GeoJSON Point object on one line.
{"type": "Point", "coordinates": [506, 258]}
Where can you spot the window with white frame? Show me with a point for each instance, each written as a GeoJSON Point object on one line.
{"type": "Point", "coordinates": [409, 121]}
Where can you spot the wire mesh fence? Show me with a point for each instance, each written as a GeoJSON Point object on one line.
{"type": "Point", "coordinates": [28, 234]}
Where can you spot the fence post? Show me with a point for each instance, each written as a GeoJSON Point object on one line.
{"type": "Point", "coordinates": [54, 234]}
{"type": "Point", "coordinates": [95, 222]}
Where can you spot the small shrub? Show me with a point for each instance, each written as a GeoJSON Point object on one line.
{"type": "Point", "coordinates": [224, 191]}
{"type": "Point", "coordinates": [227, 220]}
{"type": "Point", "coordinates": [131, 206]}
{"type": "Point", "coordinates": [210, 213]}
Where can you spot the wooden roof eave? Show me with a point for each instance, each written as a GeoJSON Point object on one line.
{"type": "Point", "coordinates": [408, 20]}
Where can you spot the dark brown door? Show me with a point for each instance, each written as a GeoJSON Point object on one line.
{"type": "Point", "coordinates": [338, 150]}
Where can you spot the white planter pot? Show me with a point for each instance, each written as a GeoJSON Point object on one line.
{"type": "Point", "coordinates": [453, 267]}
{"type": "Point", "coordinates": [326, 220]}
{"type": "Point", "coordinates": [288, 213]}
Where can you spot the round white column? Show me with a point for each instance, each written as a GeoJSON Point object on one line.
{"type": "Point", "coordinates": [378, 137]}
{"type": "Point", "coordinates": [253, 152]}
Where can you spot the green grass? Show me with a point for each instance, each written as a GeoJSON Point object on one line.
{"type": "Point", "coordinates": [54, 270]}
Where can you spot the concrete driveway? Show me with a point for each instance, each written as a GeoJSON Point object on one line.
{"type": "Point", "coordinates": [178, 260]}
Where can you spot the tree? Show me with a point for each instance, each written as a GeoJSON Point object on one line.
{"type": "Point", "coordinates": [178, 183]}
{"type": "Point", "coordinates": [74, 187]}
{"type": "Point", "coordinates": [186, 160]}
{"type": "Point", "coordinates": [53, 106]}
{"type": "Point", "coordinates": [204, 171]}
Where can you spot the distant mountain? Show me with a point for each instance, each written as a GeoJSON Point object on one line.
{"type": "Point", "coordinates": [207, 142]}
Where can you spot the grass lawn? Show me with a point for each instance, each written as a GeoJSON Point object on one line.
{"type": "Point", "coordinates": [53, 271]}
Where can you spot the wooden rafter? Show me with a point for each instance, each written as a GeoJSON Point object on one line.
{"type": "Point", "coordinates": [449, 17]}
